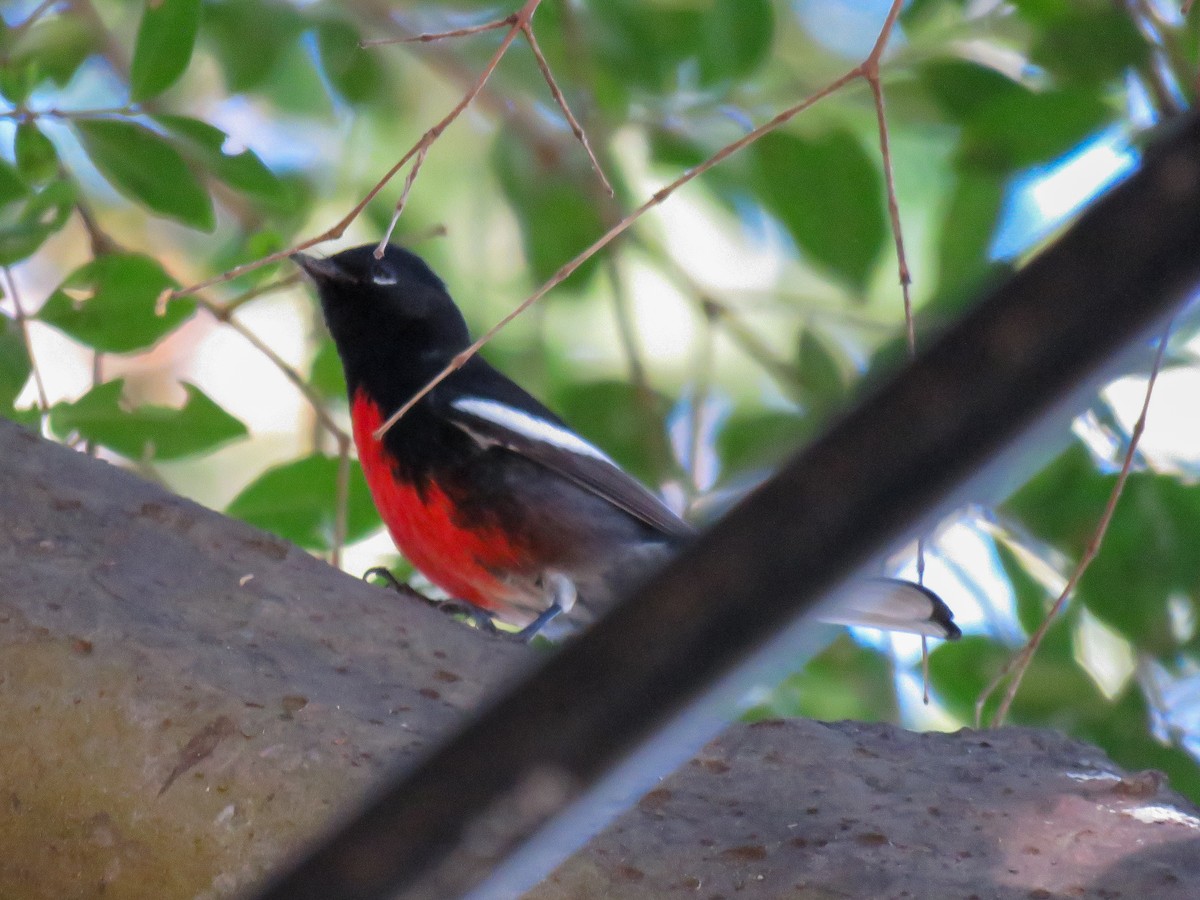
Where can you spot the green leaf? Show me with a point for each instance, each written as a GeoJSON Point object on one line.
{"type": "Point", "coordinates": [844, 681]}
{"type": "Point", "coordinates": [24, 226]}
{"type": "Point", "coordinates": [15, 367]}
{"type": "Point", "coordinates": [53, 48]}
{"type": "Point", "coordinates": [644, 42]}
{"type": "Point", "coordinates": [558, 219]}
{"type": "Point", "coordinates": [822, 371]}
{"type": "Point", "coordinates": [36, 157]}
{"type": "Point", "coordinates": [297, 501]}
{"type": "Point", "coordinates": [109, 304]}
{"type": "Point", "coordinates": [1024, 128]}
{"type": "Point", "coordinates": [1006, 125]}
{"type": "Point", "coordinates": [1088, 45]}
{"type": "Point", "coordinates": [1145, 558]}
{"type": "Point", "coordinates": [355, 72]}
{"type": "Point", "coordinates": [147, 432]}
{"type": "Point", "coordinates": [737, 38]}
{"type": "Point", "coordinates": [1032, 599]}
{"type": "Point", "coordinates": [164, 45]}
{"type": "Point", "coordinates": [962, 88]}
{"type": "Point", "coordinates": [244, 171]}
{"type": "Point", "coordinates": [966, 235]}
{"type": "Point", "coordinates": [16, 84]}
{"type": "Point", "coordinates": [249, 38]}
{"type": "Point", "coordinates": [12, 185]}
{"type": "Point", "coordinates": [146, 168]}
{"type": "Point", "coordinates": [326, 375]}
{"type": "Point", "coordinates": [757, 442]}
{"type": "Point", "coordinates": [959, 671]}
{"type": "Point", "coordinates": [828, 194]}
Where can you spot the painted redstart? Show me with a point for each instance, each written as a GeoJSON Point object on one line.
{"type": "Point", "coordinates": [485, 490]}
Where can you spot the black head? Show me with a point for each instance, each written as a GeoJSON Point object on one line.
{"type": "Point", "coordinates": [391, 318]}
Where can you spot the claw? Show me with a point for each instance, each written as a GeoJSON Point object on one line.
{"type": "Point", "coordinates": [477, 617]}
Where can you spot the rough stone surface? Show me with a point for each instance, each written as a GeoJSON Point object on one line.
{"type": "Point", "coordinates": [809, 810]}
{"type": "Point", "coordinates": [184, 700]}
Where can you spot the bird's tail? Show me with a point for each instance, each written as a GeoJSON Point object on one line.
{"type": "Point", "coordinates": [895, 605]}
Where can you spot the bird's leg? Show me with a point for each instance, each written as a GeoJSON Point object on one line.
{"type": "Point", "coordinates": [478, 617]}
{"type": "Point", "coordinates": [393, 582]}
{"type": "Point", "coordinates": [563, 595]}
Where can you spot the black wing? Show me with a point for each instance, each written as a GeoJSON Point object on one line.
{"type": "Point", "coordinates": [536, 434]}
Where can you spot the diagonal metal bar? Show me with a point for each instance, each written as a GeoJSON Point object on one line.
{"type": "Point", "coordinates": [1028, 349]}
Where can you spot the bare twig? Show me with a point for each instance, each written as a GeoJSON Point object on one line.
{"type": "Point", "coordinates": [100, 239]}
{"type": "Point", "coordinates": [400, 204]}
{"type": "Point", "coordinates": [225, 315]}
{"type": "Point", "coordinates": [267, 287]}
{"type": "Point", "coordinates": [336, 231]}
{"type": "Point", "coordinates": [567, 269]}
{"type": "Point", "coordinates": [507, 21]}
{"type": "Point", "coordinates": [22, 322]}
{"type": "Point", "coordinates": [1019, 664]}
{"type": "Point", "coordinates": [894, 213]}
{"type": "Point", "coordinates": [576, 128]}
{"type": "Point", "coordinates": [35, 14]}
{"type": "Point", "coordinates": [871, 74]}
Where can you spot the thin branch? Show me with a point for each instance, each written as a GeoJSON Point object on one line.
{"type": "Point", "coordinates": [576, 128]}
{"type": "Point", "coordinates": [40, 10]}
{"type": "Point", "coordinates": [224, 315]}
{"type": "Point", "coordinates": [871, 74]}
{"type": "Point", "coordinates": [100, 240]}
{"type": "Point", "coordinates": [400, 204]}
{"type": "Point", "coordinates": [863, 70]}
{"type": "Point", "coordinates": [1019, 664]}
{"type": "Point", "coordinates": [22, 322]}
{"type": "Point", "coordinates": [518, 19]}
{"type": "Point", "coordinates": [870, 66]}
{"type": "Point", "coordinates": [894, 211]}
{"type": "Point", "coordinates": [507, 21]}
{"type": "Point", "coordinates": [615, 231]}
{"type": "Point", "coordinates": [268, 287]}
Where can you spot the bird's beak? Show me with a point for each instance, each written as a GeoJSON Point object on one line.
{"type": "Point", "coordinates": [318, 269]}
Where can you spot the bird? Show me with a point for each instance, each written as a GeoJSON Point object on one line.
{"type": "Point", "coordinates": [487, 492]}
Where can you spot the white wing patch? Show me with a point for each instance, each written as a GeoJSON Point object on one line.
{"type": "Point", "coordinates": [530, 426]}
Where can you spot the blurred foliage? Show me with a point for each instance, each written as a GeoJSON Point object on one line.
{"type": "Point", "coordinates": [149, 146]}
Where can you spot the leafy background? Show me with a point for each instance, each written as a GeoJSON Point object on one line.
{"type": "Point", "coordinates": [145, 147]}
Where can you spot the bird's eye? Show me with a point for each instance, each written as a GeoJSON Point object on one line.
{"type": "Point", "coordinates": [382, 274]}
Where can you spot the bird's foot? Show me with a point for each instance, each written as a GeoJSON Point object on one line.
{"type": "Point", "coordinates": [473, 614]}
{"type": "Point", "coordinates": [562, 600]}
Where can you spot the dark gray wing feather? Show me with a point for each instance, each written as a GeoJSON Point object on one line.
{"type": "Point", "coordinates": [582, 463]}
